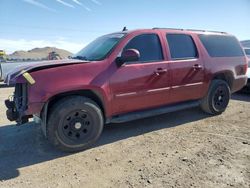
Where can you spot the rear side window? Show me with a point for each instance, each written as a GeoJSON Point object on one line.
{"type": "Point", "coordinates": [148, 45]}
{"type": "Point", "coordinates": [181, 46]}
{"type": "Point", "coordinates": [221, 46]}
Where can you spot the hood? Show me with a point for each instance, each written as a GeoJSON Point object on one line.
{"type": "Point", "coordinates": [31, 66]}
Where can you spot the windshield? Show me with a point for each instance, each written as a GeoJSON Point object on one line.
{"type": "Point", "coordinates": [99, 48]}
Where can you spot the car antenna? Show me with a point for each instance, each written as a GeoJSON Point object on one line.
{"type": "Point", "coordinates": [124, 28]}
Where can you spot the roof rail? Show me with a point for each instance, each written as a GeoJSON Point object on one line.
{"type": "Point", "coordinates": [168, 28]}
{"type": "Point", "coordinates": [196, 30]}
{"type": "Point", "coordinates": [207, 31]}
{"type": "Point", "coordinates": [192, 30]}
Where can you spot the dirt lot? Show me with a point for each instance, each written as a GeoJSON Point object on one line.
{"type": "Point", "coordinates": [182, 149]}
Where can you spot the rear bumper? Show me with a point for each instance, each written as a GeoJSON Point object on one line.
{"type": "Point", "coordinates": [239, 83]}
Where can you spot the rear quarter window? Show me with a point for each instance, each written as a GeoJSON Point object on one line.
{"type": "Point", "coordinates": [221, 45]}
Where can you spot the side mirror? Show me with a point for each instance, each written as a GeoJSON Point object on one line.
{"type": "Point", "coordinates": [128, 55]}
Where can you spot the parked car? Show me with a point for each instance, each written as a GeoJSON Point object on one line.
{"type": "Point", "coordinates": [125, 76]}
{"type": "Point", "coordinates": [247, 51]}
{"type": "Point", "coordinates": [2, 56]}
{"type": "Point", "coordinates": [247, 87]}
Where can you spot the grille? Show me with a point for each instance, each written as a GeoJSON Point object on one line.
{"type": "Point", "coordinates": [20, 97]}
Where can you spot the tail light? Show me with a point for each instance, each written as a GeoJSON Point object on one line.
{"type": "Point", "coordinates": [241, 69]}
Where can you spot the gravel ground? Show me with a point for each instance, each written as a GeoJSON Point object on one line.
{"type": "Point", "coordinates": [182, 149]}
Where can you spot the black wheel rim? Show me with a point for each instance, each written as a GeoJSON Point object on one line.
{"type": "Point", "coordinates": [77, 126]}
{"type": "Point", "coordinates": [220, 98]}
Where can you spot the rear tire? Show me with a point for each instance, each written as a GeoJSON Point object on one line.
{"type": "Point", "coordinates": [74, 124]}
{"type": "Point", "coordinates": [217, 98]}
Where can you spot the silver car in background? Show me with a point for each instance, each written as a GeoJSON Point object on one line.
{"type": "Point", "coordinates": [6, 67]}
{"type": "Point", "coordinates": [247, 87]}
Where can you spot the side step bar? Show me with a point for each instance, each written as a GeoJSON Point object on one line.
{"type": "Point", "coordinates": [152, 112]}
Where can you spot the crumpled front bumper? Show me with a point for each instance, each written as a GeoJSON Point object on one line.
{"type": "Point", "coordinates": [17, 105]}
{"type": "Point", "coordinates": [13, 115]}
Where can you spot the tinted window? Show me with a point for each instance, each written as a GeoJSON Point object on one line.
{"type": "Point", "coordinates": [148, 45]}
{"type": "Point", "coordinates": [181, 46]}
{"type": "Point", "coordinates": [221, 46]}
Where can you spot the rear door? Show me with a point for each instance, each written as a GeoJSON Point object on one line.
{"type": "Point", "coordinates": [142, 84]}
{"type": "Point", "coordinates": [186, 68]}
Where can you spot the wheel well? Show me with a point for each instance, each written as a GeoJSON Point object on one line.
{"type": "Point", "coordinates": [227, 77]}
{"type": "Point", "coordinates": [86, 93]}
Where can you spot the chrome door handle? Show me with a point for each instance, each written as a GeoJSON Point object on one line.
{"type": "Point", "coordinates": [197, 67]}
{"type": "Point", "coordinates": [160, 71]}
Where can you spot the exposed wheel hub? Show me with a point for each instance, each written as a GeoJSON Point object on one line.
{"type": "Point", "coordinates": [78, 125]}
{"type": "Point", "coordinates": [220, 98]}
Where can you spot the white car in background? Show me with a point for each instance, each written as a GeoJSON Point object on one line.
{"type": "Point", "coordinates": [6, 67]}
{"type": "Point", "coordinates": [247, 87]}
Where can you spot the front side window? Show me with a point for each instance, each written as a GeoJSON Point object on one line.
{"type": "Point", "coordinates": [181, 46]}
{"type": "Point", "coordinates": [148, 45]}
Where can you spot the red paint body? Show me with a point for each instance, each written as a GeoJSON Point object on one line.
{"type": "Point", "coordinates": [135, 87]}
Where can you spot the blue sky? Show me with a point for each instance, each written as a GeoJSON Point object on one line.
{"type": "Point", "coordinates": [71, 24]}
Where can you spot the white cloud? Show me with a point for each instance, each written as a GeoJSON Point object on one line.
{"type": "Point", "coordinates": [38, 4]}
{"type": "Point", "coordinates": [21, 44]}
{"type": "Point", "coordinates": [79, 3]}
{"type": "Point", "coordinates": [65, 4]}
{"type": "Point", "coordinates": [96, 2]}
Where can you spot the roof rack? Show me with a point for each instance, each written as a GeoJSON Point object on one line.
{"type": "Point", "coordinates": [168, 28]}
{"type": "Point", "coordinates": [207, 31]}
{"type": "Point", "coordinates": [192, 30]}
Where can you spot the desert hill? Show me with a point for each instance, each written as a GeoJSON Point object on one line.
{"type": "Point", "coordinates": [38, 53]}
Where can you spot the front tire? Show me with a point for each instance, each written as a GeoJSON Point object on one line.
{"type": "Point", "coordinates": [217, 98]}
{"type": "Point", "coordinates": [74, 124]}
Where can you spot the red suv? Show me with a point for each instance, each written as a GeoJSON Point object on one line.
{"type": "Point", "coordinates": [126, 76]}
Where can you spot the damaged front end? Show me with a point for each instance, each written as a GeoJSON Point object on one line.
{"type": "Point", "coordinates": [29, 96]}
{"type": "Point", "coordinates": [18, 104]}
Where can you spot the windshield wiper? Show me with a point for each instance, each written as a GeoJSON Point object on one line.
{"type": "Point", "coordinates": [80, 57]}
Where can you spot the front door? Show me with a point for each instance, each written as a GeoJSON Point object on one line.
{"type": "Point", "coordinates": [142, 84]}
